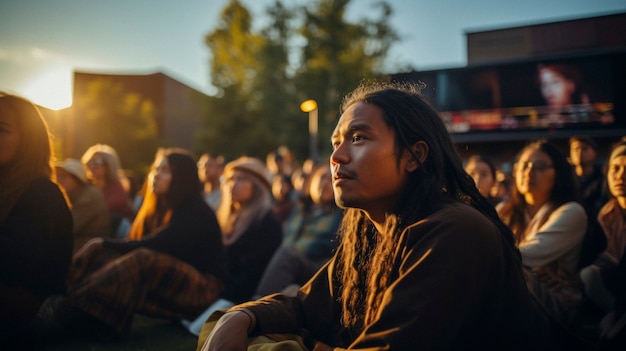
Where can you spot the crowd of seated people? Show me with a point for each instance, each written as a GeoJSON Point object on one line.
{"type": "Point", "coordinates": [233, 232]}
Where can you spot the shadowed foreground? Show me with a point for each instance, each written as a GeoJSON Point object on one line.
{"type": "Point", "coordinates": [147, 334]}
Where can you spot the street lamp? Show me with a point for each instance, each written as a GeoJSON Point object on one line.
{"type": "Point", "coordinates": [310, 106]}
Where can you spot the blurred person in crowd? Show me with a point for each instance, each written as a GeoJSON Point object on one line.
{"type": "Point", "coordinates": [35, 221]}
{"type": "Point", "coordinates": [502, 189]}
{"type": "Point", "coordinates": [483, 171]}
{"type": "Point", "coordinates": [583, 155]}
{"type": "Point", "coordinates": [251, 233]}
{"type": "Point", "coordinates": [89, 210]}
{"type": "Point", "coordinates": [210, 170]}
{"type": "Point", "coordinates": [283, 197]}
{"type": "Point", "coordinates": [280, 161]}
{"type": "Point", "coordinates": [172, 266]}
{"type": "Point", "coordinates": [104, 171]}
{"type": "Point", "coordinates": [549, 225]}
{"type": "Point", "coordinates": [424, 261]}
{"type": "Point", "coordinates": [309, 239]}
{"type": "Point", "coordinates": [605, 279]}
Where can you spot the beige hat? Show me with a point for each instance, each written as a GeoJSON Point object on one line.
{"type": "Point", "coordinates": [251, 165]}
{"type": "Point", "coordinates": [73, 167]}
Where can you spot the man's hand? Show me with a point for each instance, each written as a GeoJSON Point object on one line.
{"type": "Point", "coordinates": [230, 333]}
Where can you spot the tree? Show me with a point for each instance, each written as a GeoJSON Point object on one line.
{"type": "Point", "coordinates": [124, 121]}
{"type": "Point", "coordinates": [234, 128]}
{"type": "Point", "coordinates": [338, 55]}
{"type": "Point", "coordinates": [260, 86]}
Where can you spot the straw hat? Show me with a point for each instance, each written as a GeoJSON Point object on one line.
{"type": "Point", "coordinates": [251, 165]}
{"type": "Point", "coordinates": [73, 167]}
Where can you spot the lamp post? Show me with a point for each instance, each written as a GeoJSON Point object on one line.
{"type": "Point", "coordinates": [310, 106]}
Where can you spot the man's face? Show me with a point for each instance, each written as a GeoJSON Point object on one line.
{"type": "Point", "coordinates": [366, 173]}
{"type": "Point", "coordinates": [581, 153]}
{"type": "Point", "coordinates": [209, 170]}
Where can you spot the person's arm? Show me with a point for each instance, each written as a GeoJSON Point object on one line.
{"type": "Point", "coordinates": [189, 226]}
{"type": "Point", "coordinates": [231, 331]}
{"type": "Point", "coordinates": [563, 231]}
{"type": "Point", "coordinates": [455, 281]}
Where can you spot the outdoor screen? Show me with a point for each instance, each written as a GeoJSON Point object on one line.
{"type": "Point", "coordinates": [565, 93]}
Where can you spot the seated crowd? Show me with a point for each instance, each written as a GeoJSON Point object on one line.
{"type": "Point", "coordinates": [206, 237]}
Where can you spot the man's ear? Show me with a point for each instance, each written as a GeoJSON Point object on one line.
{"type": "Point", "coordinates": [420, 149]}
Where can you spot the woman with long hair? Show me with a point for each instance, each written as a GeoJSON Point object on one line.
{"type": "Point", "coordinates": [483, 171]}
{"type": "Point", "coordinates": [105, 172]}
{"type": "Point", "coordinates": [549, 225]}
{"type": "Point", "coordinates": [424, 261]}
{"type": "Point", "coordinates": [35, 221]}
{"type": "Point", "coordinates": [251, 232]}
{"type": "Point", "coordinates": [173, 266]}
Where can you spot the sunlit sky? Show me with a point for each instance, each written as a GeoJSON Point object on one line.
{"type": "Point", "coordinates": [43, 41]}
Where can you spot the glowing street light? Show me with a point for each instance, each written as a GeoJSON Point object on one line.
{"type": "Point", "coordinates": [310, 106]}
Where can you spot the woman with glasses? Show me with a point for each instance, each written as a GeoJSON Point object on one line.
{"type": "Point", "coordinates": [549, 225]}
{"type": "Point", "coordinates": [104, 171]}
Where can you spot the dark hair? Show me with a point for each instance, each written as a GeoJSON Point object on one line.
{"type": "Point", "coordinates": [440, 178]}
{"type": "Point", "coordinates": [584, 139]}
{"type": "Point", "coordinates": [486, 160]}
{"type": "Point", "coordinates": [565, 188]}
{"type": "Point", "coordinates": [34, 154]}
{"type": "Point", "coordinates": [570, 73]}
{"type": "Point", "coordinates": [185, 184]}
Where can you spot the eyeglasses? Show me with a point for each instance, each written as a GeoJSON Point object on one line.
{"type": "Point", "coordinates": [538, 166]}
{"type": "Point", "coordinates": [95, 163]}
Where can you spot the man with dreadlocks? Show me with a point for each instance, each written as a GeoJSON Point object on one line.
{"type": "Point", "coordinates": [424, 262]}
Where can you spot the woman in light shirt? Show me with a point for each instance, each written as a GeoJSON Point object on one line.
{"type": "Point", "coordinates": [549, 225]}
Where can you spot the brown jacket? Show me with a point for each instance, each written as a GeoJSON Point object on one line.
{"type": "Point", "coordinates": [456, 286]}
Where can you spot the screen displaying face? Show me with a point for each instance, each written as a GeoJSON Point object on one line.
{"type": "Point", "coordinates": [568, 93]}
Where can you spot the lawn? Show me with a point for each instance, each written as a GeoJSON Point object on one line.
{"type": "Point", "coordinates": [147, 334]}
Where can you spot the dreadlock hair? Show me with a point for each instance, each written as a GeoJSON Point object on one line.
{"type": "Point", "coordinates": [365, 257]}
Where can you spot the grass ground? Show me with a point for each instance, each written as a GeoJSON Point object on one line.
{"type": "Point", "coordinates": [147, 334]}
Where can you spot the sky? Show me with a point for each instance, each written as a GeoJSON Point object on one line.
{"type": "Point", "coordinates": [42, 42]}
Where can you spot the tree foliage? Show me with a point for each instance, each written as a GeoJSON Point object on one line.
{"type": "Point", "coordinates": [125, 121]}
{"type": "Point", "coordinates": [310, 52]}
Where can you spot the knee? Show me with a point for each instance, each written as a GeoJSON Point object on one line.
{"type": "Point", "coordinates": [590, 277]}
{"type": "Point", "coordinates": [141, 253]}
{"type": "Point", "coordinates": [140, 256]}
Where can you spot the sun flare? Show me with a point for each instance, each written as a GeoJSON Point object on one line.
{"type": "Point", "coordinates": [52, 89]}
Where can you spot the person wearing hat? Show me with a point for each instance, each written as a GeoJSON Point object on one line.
{"type": "Point", "coordinates": [89, 209]}
{"type": "Point", "coordinates": [251, 232]}
{"type": "Point", "coordinates": [172, 265]}
{"type": "Point", "coordinates": [605, 280]}
{"type": "Point", "coordinates": [583, 155]}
